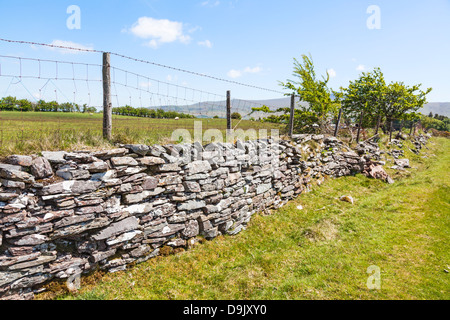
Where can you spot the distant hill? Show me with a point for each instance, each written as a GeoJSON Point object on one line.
{"type": "Point", "coordinates": [244, 107]}
{"type": "Point", "coordinates": [441, 108]}
{"type": "Point", "coordinates": [209, 109]}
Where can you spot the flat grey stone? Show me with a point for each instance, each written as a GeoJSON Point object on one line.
{"type": "Point", "coordinates": [198, 167]}
{"type": "Point", "coordinates": [24, 161]}
{"type": "Point", "coordinates": [263, 188]}
{"type": "Point", "coordinates": [157, 150]}
{"type": "Point", "coordinates": [95, 167]}
{"type": "Point", "coordinates": [108, 154]}
{"type": "Point", "coordinates": [122, 226]}
{"type": "Point", "coordinates": [191, 205]}
{"type": "Point", "coordinates": [150, 183]}
{"type": "Point", "coordinates": [41, 168]}
{"type": "Point", "coordinates": [64, 222]}
{"type": "Point", "coordinates": [123, 161]}
{"type": "Point", "coordinates": [71, 174]}
{"type": "Point", "coordinates": [33, 263]}
{"type": "Point", "coordinates": [403, 163]}
{"type": "Point", "coordinates": [56, 157]}
{"type": "Point", "coordinates": [139, 149]}
{"type": "Point", "coordinates": [170, 167]}
{"type": "Point", "coordinates": [12, 184]}
{"type": "Point", "coordinates": [11, 167]}
{"type": "Point", "coordinates": [16, 175]}
{"type": "Point", "coordinates": [30, 240]}
{"type": "Point", "coordinates": [151, 161]}
{"type": "Point", "coordinates": [70, 187]}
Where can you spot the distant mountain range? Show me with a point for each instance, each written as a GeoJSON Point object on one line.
{"type": "Point", "coordinates": [209, 109]}
{"type": "Point", "coordinates": [441, 108]}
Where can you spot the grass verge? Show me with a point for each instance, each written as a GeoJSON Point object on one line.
{"type": "Point", "coordinates": [33, 132]}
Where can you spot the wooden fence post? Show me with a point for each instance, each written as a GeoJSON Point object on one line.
{"type": "Point", "coordinates": [360, 125]}
{"type": "Point", "coordinates": [107, 106]}
{"type": "Point", "coordinates": [391, 128]}
{"type": "Point", "coordinates": [229, 110]}
{"type": "Point", "coordinates": [378, 124]}
{"type": "Point", "coordinates": [291, 118]}
{"type": "Point", "coordinates": [336, 130]}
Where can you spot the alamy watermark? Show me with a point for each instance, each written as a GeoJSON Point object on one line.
{"type": "Point", "coordinates": [73, 282]}
{"type": "Point", "coordinates": [374, 280]}
{"type": "Point", "coordinates": [374, 20]}
{"type": "Point", "coordinates": [74, 20]}
{"type": "Point", "coordinates": [266, 150]}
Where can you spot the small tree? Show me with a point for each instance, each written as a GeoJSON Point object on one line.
{"type": "Point", "coordinates": [362, 100]}
{"type": "Point", "coordinates": [372, 97]}
{"type": "Point", "coordinates": [236, 116]}
{"type": "Point", "coordinates": [365, 96]}
{"type": "Point", "coordinates": [400, 100]}
{"type": "Point", "coordinates": [321, 107]}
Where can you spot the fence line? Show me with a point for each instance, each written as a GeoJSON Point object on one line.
{"type": "Point", "coordinates": [146, 62]}
{"type": "Point", "coordinates": [45, 79]}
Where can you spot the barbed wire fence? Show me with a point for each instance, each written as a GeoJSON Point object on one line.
{"type": "Point", "coordinates": [63, 87]}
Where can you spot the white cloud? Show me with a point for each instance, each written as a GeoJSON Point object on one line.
{"type": "Point", "coordinates": [332, 73]}
{"type": "Point", "coordinates": [361, 67]}
{"type": "Point", "coordinates": [210, 3]}
{"type": "Point", "coordinates": [145, 84]}
{"type": "Point", "coordinates": [234, 74]}
{"type": "Point", "coordinates": [171, 78]}
{"type": "Point", "coordinates": [159, 31]}
{"type": "Point", "coordinates": [194, 29]}
{"type": "Point", "coordinates": [253, 70]}
{"type": "Point", "coordinates": [205, 43]}
{"type": "Point", "coordinates": [239, 73]}
{"type": "Point", "coordinates": [70, 44]}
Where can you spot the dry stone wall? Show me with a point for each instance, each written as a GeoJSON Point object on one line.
{"type": "Point", "coordinates": [65, 214]}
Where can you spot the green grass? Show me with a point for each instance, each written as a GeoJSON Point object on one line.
{"type": "Point", "coordinates": [320, 252]}
{"type": "Point", "coordinates": [33, 132]}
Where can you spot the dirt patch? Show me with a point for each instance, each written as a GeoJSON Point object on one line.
{"type": "Point", "coordinates": [325, 230]}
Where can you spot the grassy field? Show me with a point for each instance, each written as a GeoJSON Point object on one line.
{"type": "Point", "coordinates": [32, 132]}
{"type": "Point", "coordinates": [321, 252]}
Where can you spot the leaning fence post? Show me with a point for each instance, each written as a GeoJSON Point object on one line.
{"type": "Point", "coordinates": [336, 130]}
{"type": "Point", "coordinates": [107, 107]}
{"type": "Point", "coordinates": [291, 118]}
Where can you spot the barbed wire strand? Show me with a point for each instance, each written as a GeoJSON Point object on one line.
{"type": "Point", "coordinates": [145, 62]}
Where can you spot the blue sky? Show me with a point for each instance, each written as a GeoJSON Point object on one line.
{"type": "Point", "coordinates": [248, 41]}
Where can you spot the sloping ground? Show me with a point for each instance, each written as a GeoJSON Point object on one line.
{"type": "Point", "coordinates": [322, 251]}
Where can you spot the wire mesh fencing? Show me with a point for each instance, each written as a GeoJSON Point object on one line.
{"type": "Point", "coordinates": [51, 103]}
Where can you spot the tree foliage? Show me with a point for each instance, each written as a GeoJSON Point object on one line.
{"type": "Point", "coordinates": [236, 116]}
{"type": "Point", "coordinates": [321, 107]}
{"type": "Point", "coordinates": [13, 104]}
{"type": "Point", "coordinates": [380, 101]}
{"type": "Point", "coordinates": [150, 113]}
{"type": "Point", "coordinates": [364, 95]}
{"type": "Point", "coordinates": [314, 91]}
{"type": "Point", "coordinates": [441, 123]}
